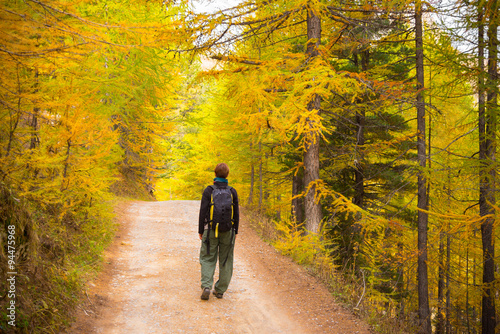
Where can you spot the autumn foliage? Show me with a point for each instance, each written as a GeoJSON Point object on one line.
{"type": "Point", "coordinates": [313, 104]}
{"type": "Point", "coordinates": [86, 100]}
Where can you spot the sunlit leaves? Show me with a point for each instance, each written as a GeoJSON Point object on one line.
{"type": "Point", "coordinates": [85, 85]}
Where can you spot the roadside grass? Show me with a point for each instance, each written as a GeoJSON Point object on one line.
{"type": "Point", "coordinates": [316, 256]}
{"type": "Point", "coordinates": [54, 258]}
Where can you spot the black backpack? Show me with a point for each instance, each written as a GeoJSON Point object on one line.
{"type": "Point", "coordinates": [221, 209]}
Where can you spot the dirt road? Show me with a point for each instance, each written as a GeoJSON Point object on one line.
{"type": "Point", "coordinates": [151, 283]}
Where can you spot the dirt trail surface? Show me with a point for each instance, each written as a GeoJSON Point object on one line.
{"type": "Point", "coordinates": [151, 283]}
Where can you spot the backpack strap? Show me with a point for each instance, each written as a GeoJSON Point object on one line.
{"type": "Point", "coordinates": [211, 209]}
{"type": "Point", "coordinates": [210, 222]}
{"type": "Point", "coordinates": [232, 206]}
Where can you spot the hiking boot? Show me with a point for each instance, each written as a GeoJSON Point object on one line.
{"type": "Point", "coordinates": [205, 294]}
{"type": "Point", "coordinates": [218, 294]}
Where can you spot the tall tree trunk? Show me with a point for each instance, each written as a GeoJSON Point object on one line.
{"type": "Point", "coordinates": [448, 296]}
{"type": "Point", "coordinates": [444, 264]}
{"type": "Point", "coordinates": [34, 120]}
{"type": "Point", "coordinates": [14, 123]}
{"type": "Point", "coordinates": [252, 178]}
{"type": "Point", "coordinates": [441, 312]}
{"type": "Point", "coordinates": [297, 202]}
{"type": "Point", "coordinates": [278, 211]}
{"type": "Point", "coordinates": [359, 181]}
{"type": "Point", "coordinates": [265, 185]}
{"type": "Point", "coordinates": [311, 155]}
{"type": "Point", "coordinates": [487, 152]}
{"type": "Point", "coordinates": [65, 182]}
{"type": "Point", "coordinates": [261, 178]}
{"type": "Point", "coordinates": [481, 105]}
{"type": "Point", "coordinates": [359, 172]}
{"type": "Point", "coordinates": [423, 289]}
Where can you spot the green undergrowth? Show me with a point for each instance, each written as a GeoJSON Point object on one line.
{"type": "Point", "coordinates": [317, 255]}
{"type": "Point", "coordinates": [54, 256]}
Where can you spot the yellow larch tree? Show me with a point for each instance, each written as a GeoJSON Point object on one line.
{"type": "Point", "coordinates": [86, 95]}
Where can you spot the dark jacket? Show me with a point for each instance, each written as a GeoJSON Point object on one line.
{"type": "Point", "coordinates": [206, 198]}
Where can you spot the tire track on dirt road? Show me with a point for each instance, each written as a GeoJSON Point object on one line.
{"type": "Point", "coordinates": [151, 283]}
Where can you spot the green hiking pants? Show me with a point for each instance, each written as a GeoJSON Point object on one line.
{"type": "Point", "coordinates": [222, 248]}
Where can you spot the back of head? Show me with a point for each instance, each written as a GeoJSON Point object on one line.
{"type": "Point", "coordinates": [222, 170]}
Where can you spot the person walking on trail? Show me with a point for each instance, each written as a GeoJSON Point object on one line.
{"type": "Point", "coordinates": [217, 228]}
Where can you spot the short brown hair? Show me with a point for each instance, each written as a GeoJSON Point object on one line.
{"type": "Point", "coordinates": [222, 170]}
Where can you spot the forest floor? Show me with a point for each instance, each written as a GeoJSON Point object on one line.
{"type": "Point", "coordinates": [150, 283]}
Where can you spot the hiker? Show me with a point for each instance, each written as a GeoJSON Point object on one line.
{"type": "Point", "coordinates": [218, 227]}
